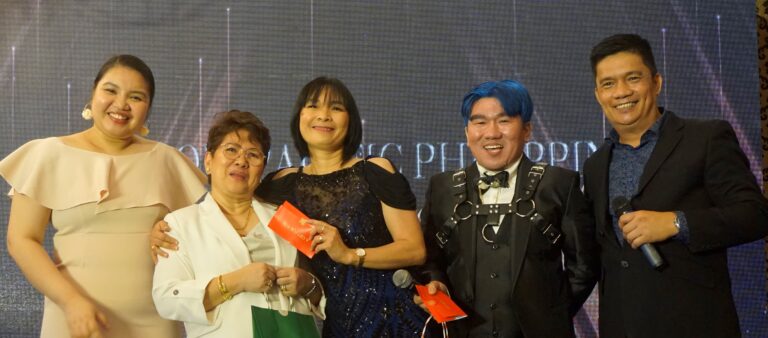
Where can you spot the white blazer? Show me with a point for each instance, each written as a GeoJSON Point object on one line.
{"type": "Point", "coordinates": [209, 247]}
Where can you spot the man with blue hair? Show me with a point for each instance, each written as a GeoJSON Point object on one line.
{"type": "Point", "coordinates": [512, 240]}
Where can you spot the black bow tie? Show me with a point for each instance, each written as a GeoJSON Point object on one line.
{"type": "Point", "coordinates": [501, 179]}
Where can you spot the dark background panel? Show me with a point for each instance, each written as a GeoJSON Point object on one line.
{"type": "Point", "coordinates": [408, 63]}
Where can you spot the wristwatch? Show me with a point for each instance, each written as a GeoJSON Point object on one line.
{"type": "Point", "coordinates": [360, 252]}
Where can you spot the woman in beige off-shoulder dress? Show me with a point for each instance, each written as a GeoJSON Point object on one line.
{"type": "Point", "coordinates": [102, 189]}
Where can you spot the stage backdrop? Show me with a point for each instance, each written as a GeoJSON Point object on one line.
{"type": "Point", "coordinates": [408, 63]}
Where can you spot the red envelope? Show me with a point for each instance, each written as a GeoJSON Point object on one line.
{"type": "Point", "coordinates": [440, 305]}
{"type": "Point", "coordinates": [291, 224]}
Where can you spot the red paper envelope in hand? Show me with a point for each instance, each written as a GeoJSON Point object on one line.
{"type": "Point", "coordinates": [440, 305]}
{"type": "Point", "coordinates": [291, 224]}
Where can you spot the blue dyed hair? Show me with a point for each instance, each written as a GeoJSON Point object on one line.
{"type": "Point", "coordinates": [511, 94]}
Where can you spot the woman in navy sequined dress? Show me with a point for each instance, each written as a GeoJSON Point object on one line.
{"type": "Point", "coordinates": [364, 217]}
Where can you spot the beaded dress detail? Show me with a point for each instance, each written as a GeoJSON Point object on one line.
{"type": "Point", "coordinates": [361, 302]}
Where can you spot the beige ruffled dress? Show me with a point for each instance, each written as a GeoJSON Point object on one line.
{"type": "Point", "coordinates": [103, 208]}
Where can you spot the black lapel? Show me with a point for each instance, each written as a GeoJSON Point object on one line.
{"type": "Point", "coordinates": [668, 139]}
{"type": "Point", "coordinates": [602, 159]}
{"type": "Point", "coordinates": [466, 229]}
{"type": "Point", "coordinates": [520, 229]}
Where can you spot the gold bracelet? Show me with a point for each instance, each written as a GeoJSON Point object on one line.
{"type": "Point", "coordinates": [223, 291]}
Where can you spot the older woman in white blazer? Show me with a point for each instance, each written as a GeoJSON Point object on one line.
{"type": "Point", "coordinates": [228, 259]}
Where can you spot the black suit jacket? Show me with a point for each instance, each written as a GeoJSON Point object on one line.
{"type": "Point", "coordinates": [544, 295]}
{"type": "Point", "coordinates": [696, 167]}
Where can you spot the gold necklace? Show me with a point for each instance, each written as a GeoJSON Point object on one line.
{"type": "Point", "coordinates": [247, 218]}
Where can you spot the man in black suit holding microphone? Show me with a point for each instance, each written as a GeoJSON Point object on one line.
{"type": "Point", "coordinates": [512, 240]}
{"type": "Point", "coordinates": [693, 196]}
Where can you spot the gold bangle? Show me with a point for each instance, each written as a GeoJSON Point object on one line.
{"type": "Point", "coordinates": [223, 291]}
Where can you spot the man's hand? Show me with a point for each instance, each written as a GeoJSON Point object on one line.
{"type": "Point", "coordinates": [432, 288]}
{"type": "Point", "coordinates": [643, 226]}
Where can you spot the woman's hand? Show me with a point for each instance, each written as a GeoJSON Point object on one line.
{"type": "Point", "coordinates": [294, 281]}
{"type": "Point", "coordinates": [326, 237]}
{"type": "Point", "coordinates": [159, 238]}
{"type": "Point", "coordinates": [256, 277]}
{"type": "Point", "coordinates": [84, 319]}
{"type": "Point", "coordinates": [26, 233]}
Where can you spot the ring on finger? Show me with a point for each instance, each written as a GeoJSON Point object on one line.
{"type": "Point", "coordinates": [269, 284]}
{"type": "Point", "coordinates": [283, 288]}
{"type": "Point", "coordinates": [320, 239]}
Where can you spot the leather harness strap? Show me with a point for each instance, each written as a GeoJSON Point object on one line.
{"type": "Point", "coordinates": [523, 207]}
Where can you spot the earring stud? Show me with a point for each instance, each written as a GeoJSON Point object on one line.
{"type": "Point", "coordinates": [87, 114]}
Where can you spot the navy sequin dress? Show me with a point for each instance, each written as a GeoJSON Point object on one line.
{"type": "Point", "coordinates": [361, 302]}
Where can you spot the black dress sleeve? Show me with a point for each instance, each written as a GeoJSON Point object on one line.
{"type": "Point", "coordinates": [391, 188]}
{"type": "Point", "coordinates": [276, 191]}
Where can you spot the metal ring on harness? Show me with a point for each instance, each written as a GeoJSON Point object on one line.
{"type": "Point", "coordinates": [469, 213]}
{"type": "Point", "coordinates": [482, 231]}
{"type": "Point", "coordinates": [530, 212]}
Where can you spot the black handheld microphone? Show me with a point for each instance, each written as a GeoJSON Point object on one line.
{"type": "Point", "coordinates": [621, 206]}
{"type": "Point", "coordinates": [403, 279]}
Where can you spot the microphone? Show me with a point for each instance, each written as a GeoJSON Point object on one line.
{"type": "Point", "coordinates": [621, 206]}
{"type": "Point", "coordinates": [403, 279]}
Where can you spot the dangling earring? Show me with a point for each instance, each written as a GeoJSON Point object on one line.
{"type": "Point", "coordinates": [87, 114]}
{"type": "Point", "coordinates": [144, 130]}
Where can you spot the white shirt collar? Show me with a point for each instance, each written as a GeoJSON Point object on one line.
{"type": "Point", "coordinates": [512, 169]}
